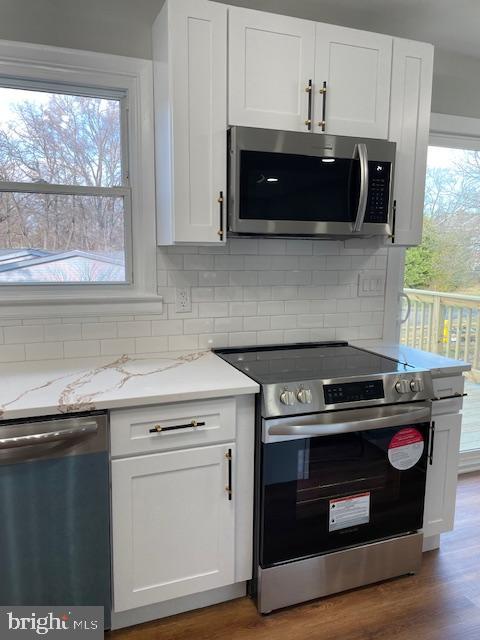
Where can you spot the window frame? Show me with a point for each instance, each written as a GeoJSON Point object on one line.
{"type": "Point", "coordinates": [122, 191]}
{"type": "Point", "coordinates": [445, 131]}
{"type": "Point", "coordinates": [91, 73]}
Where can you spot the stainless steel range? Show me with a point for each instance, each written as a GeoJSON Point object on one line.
{"type": "Point", "coordinates": [344, 437]}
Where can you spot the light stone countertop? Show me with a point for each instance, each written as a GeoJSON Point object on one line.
{"type": "Point", "coordinates": [31, 389]}
{"type": "Point", "coordinates": [438, 365]}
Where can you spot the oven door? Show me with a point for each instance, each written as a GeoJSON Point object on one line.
{"type": "Point", "coordinates": [292, 183]}
{"type": "Point", "coordinates": [340, 479]}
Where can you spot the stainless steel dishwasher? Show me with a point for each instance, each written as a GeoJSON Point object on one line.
{"type": "Point", "coordinates": [55, 512]}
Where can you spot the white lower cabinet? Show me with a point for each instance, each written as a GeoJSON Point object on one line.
{"type": "Point", "coordinates": [174, 525]}
{"type": "Point", "coordinates": [442, 475]}
{"type": "Point", "coordinates": [182, 518]}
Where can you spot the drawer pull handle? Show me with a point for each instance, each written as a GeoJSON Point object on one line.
{"type": "Point", "coordinates": [228, 488]}
{"type": "Point", "coordinates": [191, 425]}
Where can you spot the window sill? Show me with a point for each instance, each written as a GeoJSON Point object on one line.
{"type": "Point", "coordinates": [66, 306]}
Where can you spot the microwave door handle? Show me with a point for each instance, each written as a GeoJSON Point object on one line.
{"type": "Point", "coordinates": [361, 151]}
{"type": "Point", "coordinates": [412, 417]}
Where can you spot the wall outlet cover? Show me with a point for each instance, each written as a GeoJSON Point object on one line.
{"type": "Point", "coordinates": [371, 283]}
{"type": "Point", "coordinates": [183, 300]}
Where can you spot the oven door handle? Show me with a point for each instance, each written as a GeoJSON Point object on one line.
{"type": "Point", "coordinates": [361, 151]}
{"type": "Point", "coordinates": [406, 418]}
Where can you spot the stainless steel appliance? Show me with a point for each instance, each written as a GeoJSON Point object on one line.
{"type": "Point", "coordinates": [344, 437]}
{"type": "Point", "coordinates": [286, 183]}
{"type": "Point", "coordinates": [55, 512]}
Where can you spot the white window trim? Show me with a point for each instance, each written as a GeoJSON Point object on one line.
{"type": "Point", "coordinates": [135, 76]}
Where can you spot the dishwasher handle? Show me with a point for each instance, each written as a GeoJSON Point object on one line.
{"type": "Point", "coordinates": [44, 437]}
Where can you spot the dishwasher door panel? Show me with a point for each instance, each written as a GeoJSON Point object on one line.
{"type": "Point", "coordinates": [55, 530]}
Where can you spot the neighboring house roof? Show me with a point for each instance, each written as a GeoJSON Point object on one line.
{"type": "Point", "coordinates": [36, 265]}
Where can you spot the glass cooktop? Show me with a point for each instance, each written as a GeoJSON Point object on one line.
{"type": "Point", "coordinates": [310, 361]}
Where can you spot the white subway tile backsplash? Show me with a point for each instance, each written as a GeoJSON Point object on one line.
{"type": "Point", "coordinates": [56, 332]}
{"type": "Point", "coordinates": [44, 351]}
{"type": "Point", "coordinates": [213, 278]}
{"type": "Point", "coordinates": [202, 325]}
{"type": "Point", "coordinates": [136, 329]}
{"type": "Point", "coordinates": [117, 346]}
{"type": "Point", "coordinates": [81, 348]}
{"type": "Point", "coordinates": [243, 278]}
{"type": "Point", "coordinates": [256, 323]}
{"type": "Point", "coordinates": [212, 309]}
{"type": "Point", "coordinates": [249, 291]}
{"type": "Point", "coordinates": [180, 343]}
{"type": "Point", "coordinates": [272, 308]}
{"type": "Point", "coordinates": [242, 309]}
{"type": "Point", "coordinates": [12, 352]}
{"type": "Point", "coordinates": [99, 330]}
{"type": "Point", "coordinates": [151, 345]}
{"type": "Point", "coordinates": [228, 325]}
{"type": "Point", "coordinates": [167, 327]}
{"type": "Point", "coordinates": [22, 334]}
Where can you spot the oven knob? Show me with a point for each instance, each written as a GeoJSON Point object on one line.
{"type": "Point", "coordinates": [287, 397]}
{"type": "Point", "coordinates": [416, 385]}
{"type": "Point", "coordinates": [403, 386]}
{"type": "Point", "coordinates": [304, 396]}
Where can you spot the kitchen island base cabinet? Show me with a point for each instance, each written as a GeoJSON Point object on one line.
{"type": "Point", "coordinates": [182, 518]}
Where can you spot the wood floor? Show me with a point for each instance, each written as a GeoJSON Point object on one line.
{"type": "Point", "coordinates": [442, 602]}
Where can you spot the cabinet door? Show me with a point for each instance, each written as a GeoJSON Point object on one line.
{"type": "Point", "coordinates": [356, 67]}
{"type": "Point", "coordinates": [412, 72]}
{"type": "Point", "coordinates": [442, 476]}
{"type": "Point", "coordinates": [190, 51]}
{"type": "Point", "coordinates": [173, 525]}
{"type": "Point", "coordinates": [271, 61]}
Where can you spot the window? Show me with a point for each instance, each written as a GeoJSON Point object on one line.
{"type": "Point", "coordinates": [65, 200]}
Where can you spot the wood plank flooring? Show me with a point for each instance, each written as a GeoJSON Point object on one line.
{"type": "Point", "coordinates": [442, 602]}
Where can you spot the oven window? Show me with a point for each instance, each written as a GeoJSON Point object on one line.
{"type": "Point", "coordinates": [326, 493]}
{"type": "Point", "coordinates": [279, 186]}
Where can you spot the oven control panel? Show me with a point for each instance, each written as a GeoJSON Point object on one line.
{"type": "Point", "coordinates": [353, 391]}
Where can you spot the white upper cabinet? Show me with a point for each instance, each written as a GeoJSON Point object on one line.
{"type": "Point", "coordinates": [271, 61]}
{"type": "Point", "coordinates": [190, 73]}
{"type": "Point", "coordinates": [410, 104]}
{"type": "Point", "coordinates": [354, 67]}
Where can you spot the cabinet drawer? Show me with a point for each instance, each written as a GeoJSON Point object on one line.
{"type": "Point", "coordinates": [447, 405]}
{"type": "Point", "coordinates": [446, 387]}
{"type": "Point", "coordinates": [132, 430]}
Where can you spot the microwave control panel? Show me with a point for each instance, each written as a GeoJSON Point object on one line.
{"type": "Point", "coordinates": [378, 191]}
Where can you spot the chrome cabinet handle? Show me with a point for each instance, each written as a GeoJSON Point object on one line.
{"type": "Point", "coordinates": [191, 425]}
{"type": "Point", "coordinates": [87, 429]}
{"type": "Point", "coordinates": [309, 90]}
{"type": "Point", "coordinates": [361, 150]}
{"type": "Point", "coordinates": [228, 488]}
{"type": "Point", "coordinates": [323, 92]}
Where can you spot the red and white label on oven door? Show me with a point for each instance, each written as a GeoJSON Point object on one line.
{"type": "Point", "coordinates": [349, 511]}
{"type": "Point", "coordinates": [406, 448]}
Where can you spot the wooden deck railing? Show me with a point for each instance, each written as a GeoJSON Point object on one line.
{"type": "Point", "coordinates": [444, 323]}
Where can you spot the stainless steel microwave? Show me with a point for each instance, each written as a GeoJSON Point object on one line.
{"type": "Point", "coordinates": [287, 183]}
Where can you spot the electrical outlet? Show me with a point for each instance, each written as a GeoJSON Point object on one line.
{"type": "Point", "coordinates": [371, 283]}
{"type": "Point", "coordinates": [183, 300]}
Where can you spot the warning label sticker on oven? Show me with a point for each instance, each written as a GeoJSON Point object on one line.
{"type": "Point", "coordinates": [405, 448]}
{"type": "Point", "coordinates": [349, 511]}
